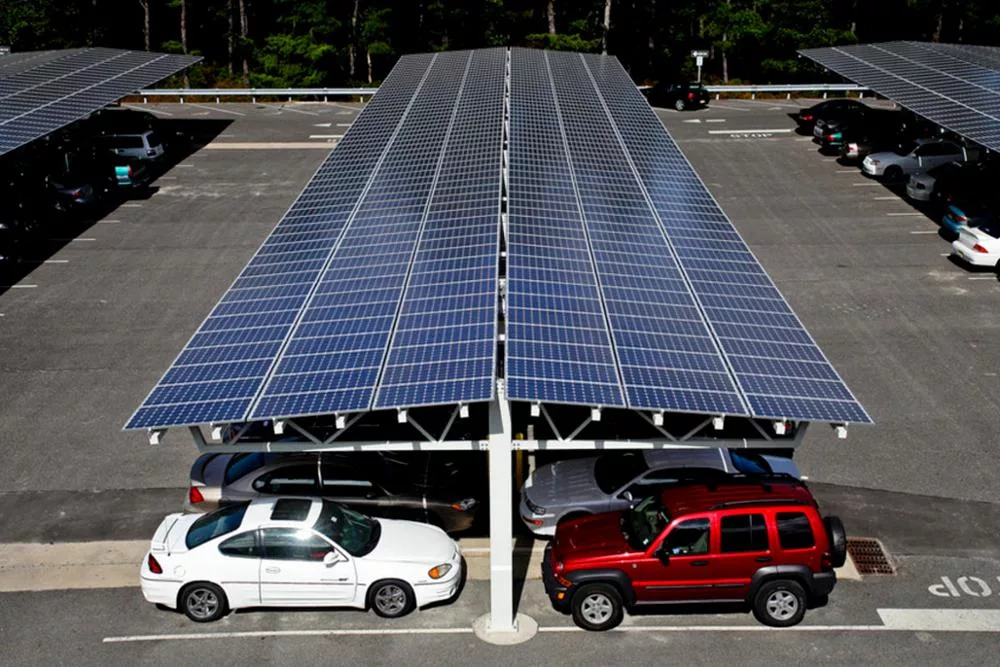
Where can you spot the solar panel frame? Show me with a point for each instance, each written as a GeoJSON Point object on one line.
{"type": "Point", "coordinates": [954, 86]}
{"type": "Point", "coordinates": [54, 89]}
{"type": "Point", "coordinates": [707, 244]}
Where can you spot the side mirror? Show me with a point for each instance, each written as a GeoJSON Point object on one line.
{"type": "Point", "coordinates": [626, 495]}
{"type": "Point", "coordinates": [663, 555]}
{"type": "Point", "coordinates": [332, 558]}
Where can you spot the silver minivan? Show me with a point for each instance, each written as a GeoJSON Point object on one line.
{"type": "Point", "coordinates": [136, 146]}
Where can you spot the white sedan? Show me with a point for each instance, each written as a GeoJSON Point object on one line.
{"type": "Point", "coordinates": [979, 246]}
{"type": "Point", "coordinates": [920, 155]}
{"type": "Point", "coordinates": [297, 552]}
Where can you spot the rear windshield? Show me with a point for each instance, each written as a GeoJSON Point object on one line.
{"type": "Point", "coordinates": [613, 471]}
{"type": "Point", "coordinates": [243, 464]}
{"type": "Point", "coordinates": [153, 139]}
{"type": "Point", "coordinates": [749, 463]}
{"type": "Point", "coordinates": [905, 149]}
{"type": "Point", "coordinates": [218, 523]}
{"type": "Point", "coordinates": [992, 228]}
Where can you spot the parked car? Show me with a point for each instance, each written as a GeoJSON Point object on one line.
{"type": "Point", "coordinates": [679, 96]}
{"type": "Point", "coordinates": [840, 107]}
{"type": "Point", "coordinates": [762, 543]}
{"type": "Point", "coordinates": [979, 246]}
{"type": "Point", "coordinates": [73, 191]}
{"type": "Point", "coordinates": [922, 154]}
{"type": "Point", "coordinates": [566, 490]}
{"type": "Point", "coordinates": [296, 552]}
{"type": "Point", "coordinates": [930, 185]}
{"type": "Point", "coordinates": [833, 133]}
{"type": "Point", "coordinates": [967, 213]}
{"type": "Point", "coordinates": [362, 482]}
{"type": "Point", "coordinates": [136, 146]}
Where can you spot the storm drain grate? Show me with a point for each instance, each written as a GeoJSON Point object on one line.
{"type": "Point", "coordinates": [869, 556]}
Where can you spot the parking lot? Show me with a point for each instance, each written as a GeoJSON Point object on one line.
{"type": "Point", "coordinates": [88, 332]}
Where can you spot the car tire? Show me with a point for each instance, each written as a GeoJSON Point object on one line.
{"type": "Point", "coordinates": [597, 607]}
{"type": "Point", "coordinates": [780, 603]}
{"type": "Point", "coordinates": [203, 602]}
{"type": "Point", "coordinates": [838, 539]}
{"type": "Point", "coordinates": [893, 173]}
{"type": "Point", "coordinates": [679, 105]}
{"type": "Point", "coordinates": [391, 598]}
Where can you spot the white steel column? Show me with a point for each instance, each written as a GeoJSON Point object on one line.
{"type": "Point", "coordinates": [501, 523]}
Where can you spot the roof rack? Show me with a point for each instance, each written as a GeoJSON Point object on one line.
{"type": "Point", "coordinates": [760, 501]}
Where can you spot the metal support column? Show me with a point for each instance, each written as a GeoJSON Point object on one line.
{"type": "Point", "coordinates": [501, 522]}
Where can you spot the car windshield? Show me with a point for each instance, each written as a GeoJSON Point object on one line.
{"type": "Point", "coordinates": [905, 149]}
{"type": "Point", "coordinates": [644, 522]}
{"type": "Point", "coordinates": [354, 532]}
{"type": "Point", "coordinates": [613, 471]}
{"type": "Point", "coordinates": [215, 524]}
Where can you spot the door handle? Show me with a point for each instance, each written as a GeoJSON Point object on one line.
{"type": "Point", "coordinates": [763, 559]}
{"type": "Point", "coordinates": [699, 563]}
{"type": "Point", "coordinates": [272, 570]}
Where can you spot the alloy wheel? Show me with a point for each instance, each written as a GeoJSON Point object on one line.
{"type": "Point", "coordinates": [782, 605]}
{"type": "Point", "coordinates": [202, 602]}
{"type": "Point", "coordinates": [596, 608]}
{"type": "Point", "coordinates": [390, 599]}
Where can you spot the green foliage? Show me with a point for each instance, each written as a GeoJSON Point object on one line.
{"type": "Point", "coordinates": [310, 42]}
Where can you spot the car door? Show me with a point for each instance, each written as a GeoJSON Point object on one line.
{"type": "Point", "coordinates": [295, 569]}
{"type": "Point", "coordinates": [744, 548]}
{"type": "Point", "coordinates": [239, 568]}
{"type": "Point", "coordinates": [678, 567]}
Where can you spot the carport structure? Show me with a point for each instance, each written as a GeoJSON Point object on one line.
{"type": "Point", "coordinates": [44, 91]}
{"type": "Point", "coordinates": [956, 86]}
{"type": "Point", "coordinates": [507, 251]}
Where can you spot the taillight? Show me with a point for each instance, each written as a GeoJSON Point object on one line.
{"type": "Point", "coordinates": [827, 561]}
{"type": "Point", "coordinates": [154, 566]}
{"type": "Point", "coordinates": [829, 137]}
{"type": "Point", "coordinates": [979, 248]}
{"type": "Point", "coordinates": [807, 116]}
{"type": "Point", "coordinates": [690, 96]}
{"type": "Point", "coordinates": [853, 147]}
{"type": "Point", "coordinates": [76, 193]}
{"type": "Point", "coordinates": [959, 218]}
{"type": "Point", "coordinates": [130, 171]}
{"type": "Point", "coordinates": [194, 495]}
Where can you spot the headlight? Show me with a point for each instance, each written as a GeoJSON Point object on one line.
{"type": "Point", "coordinates": [535, 509]}
{"type": "Point", "coordinates": [439, 571]}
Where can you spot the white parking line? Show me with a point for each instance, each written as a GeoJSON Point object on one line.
{"type": "Point", "coordinates": [205, 106]}
{"type": "Point", "coordinates": [893, 620]}
{"type": "Point", "coordinates": [22, 286]}
{"type": "Point", "coordinates": [982, 278]}
{"type": "Point", "coordinates": [344, 124]}
{"type": "Point", "coordinates": [715, 120]}
{"type": "Point", "coordinates": [288, 108]}
{"type": "Point", "coordinates": [846, 171]}
{"type": "Point", "coordinates": [108, 222]}
{"type": "Point", "coordinates": [716, 105]}
{"type": "Point", "coordinates": [886, 198]}
{"type": "Point", "coordinates": [326, 136]}
{"type": "Point", "coordinates": [866, 184]}
{"type": "Point", "coordinates": [131, 205]}
{"type": "Point", "coordinates": [905, 214]}
{"type": "Point", "coordinates": [779, 130]}
{"type": "Point", "coordinates": [167, 178]}
{"type": "Point", "coordinates": [803, 139]}
{"type": "Point", "coordinates": [925, 231]}
{"type": "Point", "coordinates": [186, 166]}
{"type": "Point", "coordinates": [149, 109]}
{"type": "Point", "coordinates": [74, 240]}
{"type": "Point", "coordinates": [55, 261]}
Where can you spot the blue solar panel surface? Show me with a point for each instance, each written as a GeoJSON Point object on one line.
{"type": "Point", "coordinates": [41, 93]}
{"type": "Point", "coordinates": [306, 327]}
{"type": "Point", "coordinates": [626, 284]}
{"type": "Point", "coordinates": [956, 86]}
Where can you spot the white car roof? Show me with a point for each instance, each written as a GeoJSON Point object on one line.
{"type": "Point", "coordinates": [259, 513]}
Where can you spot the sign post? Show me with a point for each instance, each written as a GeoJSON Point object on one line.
{"type": "Point", "coordinates": [699, 60]}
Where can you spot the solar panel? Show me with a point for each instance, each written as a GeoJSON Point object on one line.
{"type": "Point", "coordinates": [778, 368]}
{"type": "Point", "coordinates": [359, 286]}
{"type": "Point", "coordinates": [955, 86]}
{"type": "Point", "coordinates": [42, 93]}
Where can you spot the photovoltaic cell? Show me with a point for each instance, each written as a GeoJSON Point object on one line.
{"type": "Point", "coordinates": [45, 91]}
{"type": "Point", "coordinates": [955, 86]}
{"type": "Point", "coordinates": [778, 368]}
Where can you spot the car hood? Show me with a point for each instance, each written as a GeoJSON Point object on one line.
{"type": "Point", "coordinates": [412, 542]}
{"type": "Point", "coordinates": [564, 483]}
{"type": "Point", "coordinates": [885, 156]}
{"type": "Point", "coordinates": [590, 537]}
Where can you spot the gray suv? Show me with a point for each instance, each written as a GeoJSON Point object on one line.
{"type": "Point", "coordinates": [577, 487]}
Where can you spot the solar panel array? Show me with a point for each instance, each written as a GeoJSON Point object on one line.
{"type": "Point", "coordinates": [357, 289]}
{"type": "Point", "coordinates": [626, 284]}
{"type": "Point", "coordinates": [953, 85]}
{"type": "Point", "coordinates": [41, 93]}
{"type": "Point", "coordinates": [696, 325]}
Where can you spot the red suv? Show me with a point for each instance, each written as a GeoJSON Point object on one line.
{"type": "Point", "coordinates": [762, 542]}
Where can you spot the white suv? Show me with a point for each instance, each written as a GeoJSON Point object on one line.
{"type": "Point", "coordinates": [297, 552]}
{"type": "Point", "coordinates": [138, 146]}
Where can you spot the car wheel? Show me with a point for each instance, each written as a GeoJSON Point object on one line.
{"type": "Point", "coordinates": [392, 598]}
{"type": "Point", "coordinates": [203, 602]}
{"type": "Point", "coordinates": [893, 173]}
{"type": "Point", "coordinates": [838, 540]}
{"type": "Point", "coordinates": [597, 607]}
{"type": "Point", "coordinates": [679, 105]}
{"type": "Point", "coordinates": [780, 604]}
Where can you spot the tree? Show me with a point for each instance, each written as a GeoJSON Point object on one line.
{"type": "Point", "coordinates": [607, 27]}
{"type": "Point", "coordinates": [145, 23]}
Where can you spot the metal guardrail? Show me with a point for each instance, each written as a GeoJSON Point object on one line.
{"type": "Point", "coordinates": [325, 93]}
{"type": "Point", "coordinates": [254, 93]}
{"type": "Point", "coordinates": [788, 89]}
